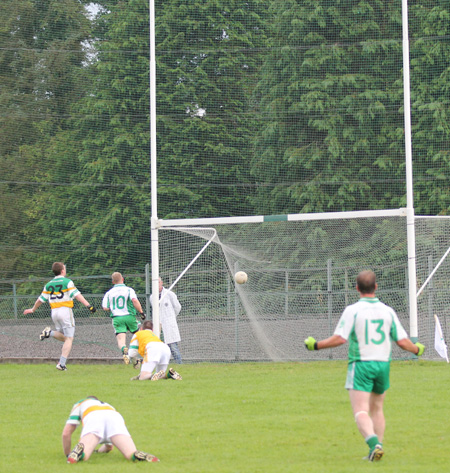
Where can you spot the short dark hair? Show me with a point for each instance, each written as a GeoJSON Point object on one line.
{"type": "Point", "coordinates": [366, 282]}
{"type": "Point", "coordinates": [147, 325]}
{"type": "Point", "coordinates": [57, 268]}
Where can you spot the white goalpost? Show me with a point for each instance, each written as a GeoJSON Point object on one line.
{"type": "Point", "coordinates": [250, 297]}
{"type": "Point", "coordinates": [301, 274]}
{"type": "Point", "coordinates": [301, 271]}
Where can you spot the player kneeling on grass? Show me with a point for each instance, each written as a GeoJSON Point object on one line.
{"type": "Point", "coordinates": [155, 354]}
{"type": "Point", "coordinates": [102, 424]}
{"type": "Point", "coordinates": [369, 325]}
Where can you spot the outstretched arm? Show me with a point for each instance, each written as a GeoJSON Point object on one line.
{"type": "Point", "coordinates": [407, 345]}
{"type": "Point", "coordinates": [80, 298]}
{"type": "Point", "coordinates": [37, 304]}
{"type": "Point", "coordinates": [330, 342]}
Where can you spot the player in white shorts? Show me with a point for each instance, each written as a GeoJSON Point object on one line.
{"type": "Point", "coordinates": [369, 326]}
{"type": "Point", "coordinates": [60, 293]}
{"type": "Point", "coordinates": [155, 354]}
{"type": "Point", "coordinates": [102, 424]}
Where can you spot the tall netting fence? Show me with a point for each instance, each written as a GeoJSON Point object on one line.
{"type": "Point", "coordinates": [301, 275]}
{"type": "Point", "coordinates": [262, 108]}
{"type": "Point", "coordinates": [432, 256]}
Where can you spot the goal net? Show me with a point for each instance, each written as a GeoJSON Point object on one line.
{"type": "Point", "coordinates": [301, 275]}
{"type": "Point", "coordinates": [433, 276]}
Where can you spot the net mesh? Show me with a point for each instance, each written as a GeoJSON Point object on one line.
{"type": "Point", "coordinates": [263, 107]}
{"type": "Point", "coordinates": [433, 244]}
{"type": "Point", "coordinates": [301, 275]}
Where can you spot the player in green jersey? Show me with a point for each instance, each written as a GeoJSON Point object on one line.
{"type": "Point", "coordinates": [369, 326]}
{"type": "Point", "coordinates": [122, 303]}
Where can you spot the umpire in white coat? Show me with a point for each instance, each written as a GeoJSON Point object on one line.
{"type": "Point", "coordinates": [169, 308]}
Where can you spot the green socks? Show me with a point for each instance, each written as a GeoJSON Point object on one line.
{"type": "Point", "coordinates": [372, 441]}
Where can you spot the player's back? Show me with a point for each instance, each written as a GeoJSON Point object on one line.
{"type": "Point", "coordinates": [60, 292]}
{"type": "Point", "coordinates": [374, 326]}
{"type": "Point", "coordinates": [119, 300]}
{"type": "Point", "coordinates": [84, 407]}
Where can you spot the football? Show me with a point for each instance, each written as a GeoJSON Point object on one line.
{"type": "Point", "coordinates": [240, 277]}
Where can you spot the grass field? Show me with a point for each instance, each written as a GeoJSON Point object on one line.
{"type": "Point", "coordinates": [286, 417]}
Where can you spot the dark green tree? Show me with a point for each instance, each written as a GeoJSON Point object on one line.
{"type": "Point", "coordinates": [332, 91]}
{"type": "Point", "coordinates": [41, 55]}
{"type": "Point", "coordinates": [430, 105]}
{"type": "Point", "coordinates": [205, 77]}
{"type": "Point", "coordinates": [101, 212]}
{"type": "Point", "coordinates": [208, 61]}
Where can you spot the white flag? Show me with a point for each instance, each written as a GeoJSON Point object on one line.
{"type": "Point", "coordinates": [439, 342]}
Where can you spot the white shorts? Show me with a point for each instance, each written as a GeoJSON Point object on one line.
{"type": "Point", "coordinates": [157, 355]}
{"type": "Point", "coordinates": [64, 321]}
{"type": "Point", "coordinates": [104, 424]}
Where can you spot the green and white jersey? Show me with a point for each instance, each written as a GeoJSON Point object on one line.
{"type": "Point", "coordinates": [370, 326]}
{"type": "Point", "coordinates": [118, 300]}
{"type": "Point", "coordinates": [59, 292]}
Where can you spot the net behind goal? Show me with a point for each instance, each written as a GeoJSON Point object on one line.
{"type": "Point", "coordinates": [301, 275]}
{"type": "Point", "coordinates": [433, 276]}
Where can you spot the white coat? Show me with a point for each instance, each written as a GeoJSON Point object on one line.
{"type": "Point", "coordinates": [169, 308]}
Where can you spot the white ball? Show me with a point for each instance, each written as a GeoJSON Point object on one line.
{"type": "Point", "coordinates": [240, 277]}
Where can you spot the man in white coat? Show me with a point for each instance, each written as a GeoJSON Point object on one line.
{"type": "Point", "coordinates": [169, 308]}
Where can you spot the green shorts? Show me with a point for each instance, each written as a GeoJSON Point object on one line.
{"type": "Point", "coordinates": [368, 376]}
{"type": "Point", "coordinates": [124, 324]}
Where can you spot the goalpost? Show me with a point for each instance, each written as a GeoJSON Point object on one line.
{"type": "Point", "coordinates": [301, 274]}
{"type": "Point", "coordinates": [301, 270]}
{"type": "Point", "coordinates": [403, 214]}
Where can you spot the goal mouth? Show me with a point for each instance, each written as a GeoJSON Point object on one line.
{"type": "Point", "coordinates": [301, 275]}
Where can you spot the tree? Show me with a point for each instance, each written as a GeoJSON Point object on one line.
{"type": "Point", "coordinates": [331, 89]}
{"type": "Point", "coordinates": [208, 61]}
{"type": "Point", "coordinates": [430, 89]}
{"type": "Point", "coordinates": [101, 213]}
{"type": "Point", "coordinates": [107, 142]}
{"type": "Point", "coordinates": [41, 47]}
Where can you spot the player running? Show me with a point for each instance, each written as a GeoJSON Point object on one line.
{"type": "Point", "coordinates": [123, 303]}
{"type": "Point", "coordinates": [60, 293]}
{"type": "Point", "coordinates": [369, 326]}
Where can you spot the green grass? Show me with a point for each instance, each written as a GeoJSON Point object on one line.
{"type": "Point", "coordinates": [287, 417]}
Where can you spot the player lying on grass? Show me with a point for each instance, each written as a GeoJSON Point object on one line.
{"type": "Point", "coordinates": [369, 326]}
{"type": "Point", "coordinates": [155, 354]}
{"type": "Point", "coordinates": [102, 424]}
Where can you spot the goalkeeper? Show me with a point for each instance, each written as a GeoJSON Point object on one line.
{"type": "Point", "coordinates": [369, 326]}
{"type": "Point", "coordinates": [155, 355]}
{"type": "Point", "coordinates": [123, 303]}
